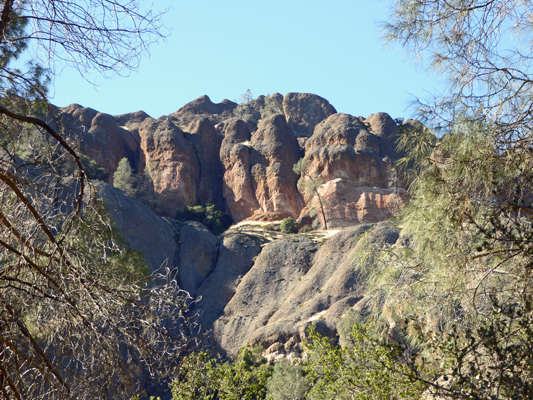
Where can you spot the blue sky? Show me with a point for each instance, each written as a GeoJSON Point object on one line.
{"type": "Point", "coordinates": [222, 48]}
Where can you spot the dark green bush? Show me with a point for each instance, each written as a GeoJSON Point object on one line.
{"type": "Point", "coordinates": [289, 225]}
{"type": "Point", "coordinates": [216, 221]}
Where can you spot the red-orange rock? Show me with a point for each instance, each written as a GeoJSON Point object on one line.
{"type": "Point", "coordinates": [347, 204]}
{"type": "Point", "coordinates": [237, 182]}
{"type": "Point", "coordinates": [258, 172]}
{"type": "Point", "coordinates": [356, 167]}
{"type": "Point", "coordinates": [172, 162]}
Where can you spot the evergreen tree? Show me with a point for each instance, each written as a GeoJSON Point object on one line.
{"type": "Point", "coordinates": [470, 218]}
{"type": "Point", "coordinates": [287, 382]}
{"type": "Point", "coordinates": [310, 182]}
{"type": "Point", "coordinates": [124, 179]}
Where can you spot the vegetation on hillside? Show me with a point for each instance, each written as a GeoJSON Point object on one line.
{"type": "Point", "coordinates": [215, 220]}
{"type": "Point", "coordinates": [77, 318]}
{"type": "Point", "coordinates": [451, 308]}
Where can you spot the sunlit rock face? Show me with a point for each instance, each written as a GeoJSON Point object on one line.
{"type": "Point", "coordinates": [258, 168]}
{"type": "Point", "coordinates": [304, 111]}
{"type": "Point", "coordinates": [355, 163]}
{"type": "Point", "coordinates": [99, 136]}
{"type": "Point", "coordinates": [203, 153]}
{"type": "Point", "coordinates": [256, 285]}
{"type": "Point", "coordinates": [175, 166]}
{"type": "Point", "coordinates": [292, 284]}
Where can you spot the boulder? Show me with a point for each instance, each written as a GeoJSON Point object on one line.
{"type": "Point", "coordinates": [304, 111]}
{"type": "Point", "coordinates": [173, 164]}
{"type": "Point", "coordinates": [385, 128]}
{"type": "Point", "coordinates": [203, 107]}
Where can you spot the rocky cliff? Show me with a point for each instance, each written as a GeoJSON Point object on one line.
{"type": "Point", "coordinates": [241, 157]}
{"type": "Point", "coordinates": [257, 285]}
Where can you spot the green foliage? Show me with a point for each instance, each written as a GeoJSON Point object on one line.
{"type": "Point", "coordinates": [367, 369]}
{"type": "Point", "coordinates": [216, 221]}
{"type": "Point", "coordinates": [91, 167]}
{"type": "Point", "coordinates": [271, 107]}
{"type": "Point", "coordinates": [289, 225]}
{"type": "Point", "coordinates": [123, 177]}
{"type": "Point", "coordinates": [140, 187]}
{"type": "Point", "coordinates": [252, 112]}
{"type": "Point", "coordinates": [202, 377]}
{"type": "Point", "coordinates": [493, 360]}
{"type": "Point", "coordinates": [144, 191]}
{"type": "Point", "coordinates": [287, 382]}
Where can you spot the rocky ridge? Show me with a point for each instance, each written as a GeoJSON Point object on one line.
{"type": "Point", "coordinates": [257, 285]}
{"type": "Point", "coordinates": [240, 157]}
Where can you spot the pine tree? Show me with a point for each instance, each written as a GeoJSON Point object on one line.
{"type": "Point", "coordinates": [123, 177]}
{"type": "Point", "coordinates": [310, 182]}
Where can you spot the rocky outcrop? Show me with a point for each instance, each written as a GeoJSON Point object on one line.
{"type": "Point", "coordinates": [237, 184]}
{"type": "Point", "coordinates": [99, 136]}
{"type": "Point", "coordinates": [262, 291]}
{"type": "Point", "coordinates": [347, 204]}
{"type": "Point", "coordinates": [132, 122]}
{"type": "Point", "coordinates": [236, 256]}
{"type": "Point", "coordinates": [142, 228]}
{"type": "Point", "coordinates": [276, 151]}
{"type": "Point", "coordinates": [203, 107]}
{"type": "Point", "coordinates": [259, 176]}
{"type": "Point", "coordinates": [384, 127]}
{"type": "Point", "coordinates": [304, 111]}
{"type": "Point", "coordinates": [245, 167]}
{"type": "Point", "coordinates": [206, 142]}
{"type": "Point", "coordinates": [198, 249]}
{"type": "Point", "coordinates": [256, 286]}
{"type": "Point", "coordinates": [294, 283]}
{"type": "Point", "coordinates": [172, 162]}
{"type": "Point", "coordinates": [355, 166]}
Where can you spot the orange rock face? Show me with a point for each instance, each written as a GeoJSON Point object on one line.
{"type": "Point", "coordinates": [173, 164]}
{"type": "Point", "coordinates": [355, 166]}
{"type": "Point", "coordinates": [246, 168]}
{"type": "Point", "coordinates": [258, 169]}
{"type": "Point", "coordinates": [347, 204]}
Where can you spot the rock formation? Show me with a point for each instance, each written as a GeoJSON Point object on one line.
{"type": "Point", "coordinates": [356, 166]}
{"type": "Point", "coordinates": [173, 164]}
{"type": "Point", "coordinates": [256, 286]}
{"type": "Point", "coordinates": [245, 167]}
{"type": "Point", "coordinates": [99, 136]}
{"type": "Point", "coordinates": [304, 111]}
{"type": "Point", "coordinates": [142, 228]}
